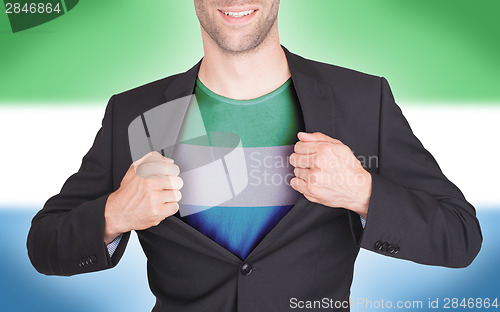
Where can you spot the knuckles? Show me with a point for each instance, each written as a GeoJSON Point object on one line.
{"type": "Point", "coordinates": [292, 159]}
{"type": "Point", "coordinates": [155, 169]}
{"type": "Point", "coordinates": [314, 176]}
{"type": "Point", "coordinates": [324, 148]}
{"type": "Point", "coordinates": [318, 161]}
{"type": "Point", "coordinates": [177, 195]}
{"type": "Point", "coordinates": [311, 189]}
{"type": "Point", "coordinates": [171, 208]}
{"type": "Point", "coordinates": [177, 182]}
{"type": "Point", "coordinates": [173, 169]}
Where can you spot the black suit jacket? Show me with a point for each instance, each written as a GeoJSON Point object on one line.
{"type": "Point", "coordinates": [415, 212]}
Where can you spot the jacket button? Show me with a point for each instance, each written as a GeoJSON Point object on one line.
{"type": "Point", "coordinates": [390, 249]}
{"type": "Point", "coordinates": [93, 260]}
{"type": "Point", "coordinates": [378, 245]}
{"type": "Point", "coordinates": [384, 246]}
{"type": "Point", "coordinates": [396, 249]}
{"type": "Point", "coordinates": [246, 269]}
{"type": "Point", "coordinates": [83, 263]}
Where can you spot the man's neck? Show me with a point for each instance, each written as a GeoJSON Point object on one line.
{"type": "Point", "coordinates": [244, 76]}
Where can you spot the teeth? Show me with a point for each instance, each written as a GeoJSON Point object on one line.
{"type": "Point", "coordinates": [239, 14]}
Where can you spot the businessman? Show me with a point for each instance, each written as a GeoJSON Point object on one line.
{"type": "Point", "coordinates": [297, 238]}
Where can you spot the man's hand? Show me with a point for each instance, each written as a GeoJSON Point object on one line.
{"type": "Point", "coordinates": [327, 172]}
{"type": "Point", "coordinates": [148, 193]}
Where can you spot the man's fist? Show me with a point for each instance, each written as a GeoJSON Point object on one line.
{"type": "Point", "coordinates": [148, 193]}
{"type": "Point", "coordinates": [327, 172]}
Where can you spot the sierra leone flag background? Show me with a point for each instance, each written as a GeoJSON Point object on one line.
{"type": "Point", "coordinates": [441, 57]}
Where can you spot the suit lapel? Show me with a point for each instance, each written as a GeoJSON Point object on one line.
{"type": "Point", "coordinates": [317, 104]}
{"type": "Point", "coordinates": [316, 99]}
{"type": "Point", "coordinates": [183, 85]}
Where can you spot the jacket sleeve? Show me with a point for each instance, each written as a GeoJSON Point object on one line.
{"type": "Point", "coordinates": [415, 212]}
{"type": "Point", "coordinates": [67, 236]}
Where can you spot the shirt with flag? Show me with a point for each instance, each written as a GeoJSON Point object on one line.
{"type": "Point", "coordinates": [267, 127]}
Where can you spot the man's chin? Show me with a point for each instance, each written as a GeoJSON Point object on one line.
{"type": "Point", "coordinates": [239, 46]}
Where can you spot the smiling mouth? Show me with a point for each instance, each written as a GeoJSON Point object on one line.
{"type": "Point", "coordinates": [238, 14]}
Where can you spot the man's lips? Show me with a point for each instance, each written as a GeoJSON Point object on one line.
{"type": "Point", "coordinates": [237, 16]}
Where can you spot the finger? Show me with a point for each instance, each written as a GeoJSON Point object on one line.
{"type": "Point", "coordinates": [132, 169]}
{"type": "Point", "coordinates": [149, 170]}
{"type": "Point", "coordinates": [316, 137]}
{"type": "Point", "coordinates": [157, 169]}
{"type": "Point", "coordinates": [315, 147]}
{"type": "Point", "coordinates": [301, 186]}
{"type": "Point", "coordinates": [171, 208]}
{"type": "Point", "coordinates": [170, 196]}
{"type": "Point", "coordinates": [146, 156]}
{"type": "Point", "coordinates": [172, 169]}
{"type": "Point", "coordinates": [172, 183]}
{"type": "Point", "coordinates": [298, 184]}
{"type": "Point", "coordinates": [311, 176]}
{"type": "Point", "coordinates": [302, 173]}
{"type": "Point", "coordinates": [304, 147]}
{"type": "Point", "coordinates": [302, 161]}
{"type": "Point", "coordinates": [156, 157]}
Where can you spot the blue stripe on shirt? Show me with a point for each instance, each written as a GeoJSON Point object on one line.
{"type": "Point", "coordinates": [238, 229]}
